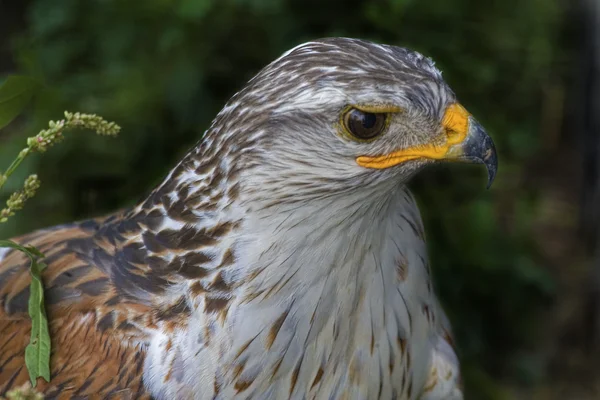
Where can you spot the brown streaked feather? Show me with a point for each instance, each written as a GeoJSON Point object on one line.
{"type": "Point", "coordinates": [93, 353]}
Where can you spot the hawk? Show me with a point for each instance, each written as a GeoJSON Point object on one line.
{"type": "Point", "coordinates": [282, 258]}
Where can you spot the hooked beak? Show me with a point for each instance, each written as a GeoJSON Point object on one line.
{"type": "Point", "coordinates": [464, 140]}
{"type": "Point", "coordinates": [477, 148]}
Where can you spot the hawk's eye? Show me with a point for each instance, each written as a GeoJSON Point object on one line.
{"type": "Point", "coordinates": [364, 125]}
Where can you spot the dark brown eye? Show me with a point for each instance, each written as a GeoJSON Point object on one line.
{"type": "Point", "coordinates": [364, 125]}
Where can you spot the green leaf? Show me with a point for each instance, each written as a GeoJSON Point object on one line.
{"type": "Point", "coordinates": [30, 251]}
{"type": "Point", "coordinates": [37, 353]}
{"type": "Point", "coordinates": [15, 94]}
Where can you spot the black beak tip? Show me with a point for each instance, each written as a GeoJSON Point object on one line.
{"type": "Point", "coordinates": [491, 177]}
{"type": "Point", "coordinates": [490, 160]}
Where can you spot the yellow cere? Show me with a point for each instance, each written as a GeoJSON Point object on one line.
{"type": "Point", "coordinates": [456, 126]}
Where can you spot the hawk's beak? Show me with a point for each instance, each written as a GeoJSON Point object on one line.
{"type": "Point", "coordinates": [478, 148]}
{"type": "Point", "coordinates": [464, 140]}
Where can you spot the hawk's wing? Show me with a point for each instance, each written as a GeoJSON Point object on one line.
{"type": "Point", "coordinates": [96, 349]}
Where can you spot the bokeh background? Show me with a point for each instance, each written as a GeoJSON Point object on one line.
{"type": "Point", "coordinates": [517, 267]}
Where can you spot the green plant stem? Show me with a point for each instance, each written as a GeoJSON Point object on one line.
{"type": "Point", "coordinates": [16, 162]}
{"type": "Point", "coordinates": [13, 166]}
{"type": "Point", "coordinates": [41, 142]}
{"type": "Point", "coordinates": [37, 353]}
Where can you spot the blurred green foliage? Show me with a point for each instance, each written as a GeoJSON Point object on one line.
{"type": "Point", "coordinates": [162, 69]}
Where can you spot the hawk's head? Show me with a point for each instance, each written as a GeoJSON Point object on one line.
{"type": "Point", "coordinates": [337, 114]}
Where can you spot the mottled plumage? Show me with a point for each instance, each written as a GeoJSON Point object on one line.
{"type": "Point", "coordinates": [281, 258]}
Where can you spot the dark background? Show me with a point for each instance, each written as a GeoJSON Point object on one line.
{"type": "Point", "coordinates": [516, 267]}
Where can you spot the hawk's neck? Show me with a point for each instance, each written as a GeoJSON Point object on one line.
{"type": "Point", "coordinates": [322, 300]}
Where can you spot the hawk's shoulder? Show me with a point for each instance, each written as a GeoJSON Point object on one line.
{"type": "Point", "coordinates": [97, 349]}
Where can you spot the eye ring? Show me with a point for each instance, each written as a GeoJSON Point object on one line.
{"type": "Point", "coordinates": [364, 125]}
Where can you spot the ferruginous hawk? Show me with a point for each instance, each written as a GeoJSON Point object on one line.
{"type": "Point", "coordinates": [282, 258]}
